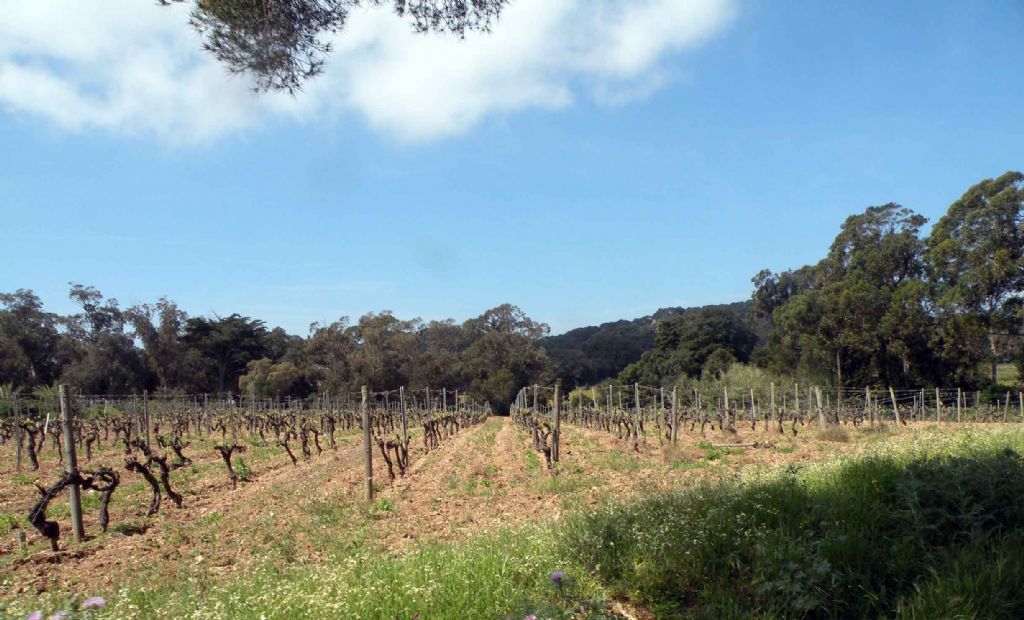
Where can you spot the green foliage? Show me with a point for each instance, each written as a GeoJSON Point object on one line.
{"type": "Point", "coordinates": [265, 379]}
{"type": "Point", "coordinates": [718, 363]}
{"type": "Point", "coordinates": [980, 581]}
{"type": "Point", "coordinates": [847, 541]}
{"type": "Point", "coordinates": [30, 342]}
{"type": "Point", "coordinates": [589, 355]}
{"type": "Point", "coordinates": [976, 254]}
{"type": "Point", "coordinates": [223, 347]}
{"type": "Point", "coordinates": [888, 307]}
{"type": "Point", "coordinates": [739, 379]}
{"type": "Point", "coordinates": [504, 355]}
{"type": "Point", "coordinates": [490, 356]}
{"type": "Point", "coordinates": [685, 344]}
{"type": "Point", "coordinates": [8, 523]}
{"type": "Point", "coordinates": [242, 469]}
{"type": "Point", "coordinates": [486, 577]}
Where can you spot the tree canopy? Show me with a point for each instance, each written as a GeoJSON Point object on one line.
{"type": "Point", "coordinates": [283, 43]}
{"type": "Point", "coordinates": [105, 349]}
{"type": "Point", "coordinates": [889, 306]}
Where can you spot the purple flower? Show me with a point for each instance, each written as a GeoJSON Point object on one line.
{"type": "Point", "coordinates": [94, 601]}
{"type": "Point", "coordinates": [530, 617]}
{"type": "Point", "coordinates": [35, 615]}
{"type": "Point", "coordinates": [59, 615]}
{"type": "Point", "coordinates": [557, 577]}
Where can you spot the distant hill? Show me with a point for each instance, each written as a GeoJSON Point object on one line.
{"type": "Point", "coordinates": [589, 355]}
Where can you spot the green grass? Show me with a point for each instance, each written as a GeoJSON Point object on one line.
{"type": "Point", "coordinates": [566, 482]}
{"type": "Point", "coordinates": [711, 453]}
{"type": "Point", "coordinates": [852, 540]}
{"type": "Point", "coordinates": [489, 577]}
{"type": "Point", "coordinates": [618, 460]}
{"type": "Point", "coordinates": [533, 462]}
{"type": "Point", "coordinates": [7, 523]}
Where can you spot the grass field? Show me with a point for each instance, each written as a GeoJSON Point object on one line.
{"type": "Point", "coordinates": [920, 523]}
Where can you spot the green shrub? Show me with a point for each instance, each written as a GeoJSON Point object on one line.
{"type": "Point", "coordinates": [847, 541]}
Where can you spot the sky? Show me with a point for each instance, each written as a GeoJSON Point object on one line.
{"type": "Point", "coordinates": [589, 160]}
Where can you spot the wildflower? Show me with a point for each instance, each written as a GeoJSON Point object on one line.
{"type": "Point", "coordinates": [530, 617]}
{"type": "Point", "coordinates": [557, 577]}
{"type": "Point", "coordinates": [35, 615]}
{"type": "Point", "coordinates": [94, 601]}
{"type": "Point", "coordinates": [59, 615]}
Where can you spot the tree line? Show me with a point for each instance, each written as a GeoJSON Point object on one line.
{"type": "Point", "coordinates": [107, 349]}
{"type": "Point", "coordinates": [888, 305]}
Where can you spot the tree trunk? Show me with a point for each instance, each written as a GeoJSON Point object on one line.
{"type": "Point", "coordinates": [839, 370]}
{"type": "Point", "coordinates": [222, 369]}
{"type": "Point", "coordinates": [992, 346]}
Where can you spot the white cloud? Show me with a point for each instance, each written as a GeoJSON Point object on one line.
{"type": "Point", "coordinates": [132, 67]}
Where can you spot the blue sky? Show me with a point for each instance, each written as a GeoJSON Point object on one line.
{"type": "Point", "coordinates": [583, 194]}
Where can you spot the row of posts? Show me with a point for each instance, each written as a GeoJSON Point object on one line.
{"type": "Point", "coordinates": [961, 402]}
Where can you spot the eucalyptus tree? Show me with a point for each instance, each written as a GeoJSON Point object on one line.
{"type": "Point", "coordinates": [976, 257]}
{"type": "Point", "coordinates": [30, 340]}
{"type": "Point", "coordinates": [160, 327]}
{"type": "Point", "coordinates": [859, 309]}
{"type": "Point", "coordinates": [102, 357]}
{"type": "Point", "coordinates": [503, 355]}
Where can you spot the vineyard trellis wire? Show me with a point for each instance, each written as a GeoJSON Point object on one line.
{"type": "Point", "coordinates": [632, 411]}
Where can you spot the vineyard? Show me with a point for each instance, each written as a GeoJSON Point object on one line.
{"type": "Point", "coordinates": [633, 413]}
{"type": "Point", "coordinates": [202, 489]}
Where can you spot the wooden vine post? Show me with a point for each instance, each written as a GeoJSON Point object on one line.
{"type": "Point", "coordinates": [895, 408]}
{"type": "Point", "coordinates": [367, 449]}
{"type": "Point", "coordinates": [675, 416]}
{"type": "Point", "coordinates": [868, 411]}
{"type": "Point", "coordinates": [17, 433]}
{"type": "Point", "coordinates": [610, 399]}
{"type": "Point", "coordinates": [958, 405]}
{"type": "Point", "coordinates": [405, 415]}
{"type": "Point", "coordinates": [145, 415]}
{"type": "Point", "coordinates": [556, 437]}
{"type": "Point", "coordinates": [71, 464]}
{"type": "Point", "coordinates": [796, 397]}
{"type": "Point", "coordinates": [821, 413]}
{"type": "Point", "coordinates": [636, 410]}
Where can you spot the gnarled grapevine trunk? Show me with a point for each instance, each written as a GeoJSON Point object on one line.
{"type": "Point", "coordinates": [104, 480]}
{"type": "Point", "coordinates": [132, 464]}
{"type": "Point", "coordinates": [49, 529]}
{"type": "Point", "coordinates": [225, 453]}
